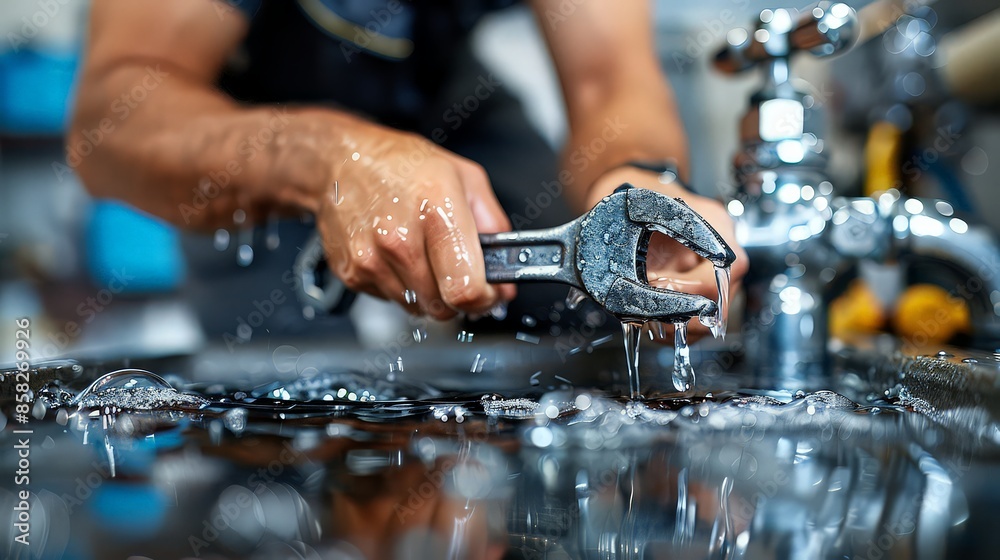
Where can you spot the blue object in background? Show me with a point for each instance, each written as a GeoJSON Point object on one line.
{"type": "Point", "coordinates": [126, 247]}
{"type": "Point", "coordinates": [133, 510]}
{"type": "Point", "coordinates": [35, 89]}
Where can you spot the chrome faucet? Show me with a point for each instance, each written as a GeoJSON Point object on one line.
{"type": "Point", "coordinates": [799, 235]}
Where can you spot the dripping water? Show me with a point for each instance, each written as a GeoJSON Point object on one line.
{"type": "Point", "coordinates": [722, 284]}
{"type": "Point", "coordinates": [722, 544]}
{"type": "Point", "coordinates": [631, 332]}
{"type": "Point", "coordinates": [244, 237]}
{"type": "Point", "coordinates": [660, 329]}
{"type": "Point", "coordinates": [109, 450]}
{"type": "Point", "coordinates": [683, 376]}
{"type": "Point", "coordinates": [682, 522]}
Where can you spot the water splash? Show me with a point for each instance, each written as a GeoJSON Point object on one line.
{"type": "Point", "coordinates": [496, 405]}
{"type": "Point", "coordinates": [235, 420]}
{"type": "Point", "coordinates": [134, 389]}
{"type": "Point", "coordinates": [631, 332]}
{"type": "Point", "coordinates": [683, 376]}
{"type": "Point", "coordinates": [722, 279]}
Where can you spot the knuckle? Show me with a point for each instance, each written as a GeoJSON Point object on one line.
{"type": "Point", "coordinates": [476, 171]}
{"type": "Point", "coordinates": [352, 279]}
{"type": "Point", "coordinates": [393, 246]}
{"type": "Point", "coordinates": [367, 265]}
{"type": "Point", "coordinates": [466, 296]}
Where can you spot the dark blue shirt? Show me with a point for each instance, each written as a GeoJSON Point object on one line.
{"type": "Point", "coordinates": [387, 59]}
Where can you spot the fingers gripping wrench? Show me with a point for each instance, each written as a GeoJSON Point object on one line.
{"type": "Point", "coordinates": [602, 253]}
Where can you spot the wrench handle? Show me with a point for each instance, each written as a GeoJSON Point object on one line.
{"type": "Point", "coordinates": [547, 255]}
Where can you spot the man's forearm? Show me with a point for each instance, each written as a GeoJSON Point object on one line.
{"type": "Point", "coordinates": [189, 154]}
{"type": "Point", "coordinates": [638, 126]}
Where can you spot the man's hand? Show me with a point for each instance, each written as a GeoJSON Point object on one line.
{"type": "Point", "coordinates": [669, 264]}
{"type": "Point", "coordinates": [605, 55]}
{"type": "Point", "coordinates": [403, 215]}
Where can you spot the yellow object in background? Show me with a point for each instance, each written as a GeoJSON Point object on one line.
{"type": "Point", "coordinates": [856, 311]}
{"type": "Point", "coordinates": [882, 150]}
{"type": "Point", "coordinates": [926, 313]}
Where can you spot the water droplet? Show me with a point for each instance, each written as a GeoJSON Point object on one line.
{"type": "Point", "coordinates": [683, 375]}
{"type": "Point", "coordinates": [465, 336]}
{"type": "Point", "coordinates": [722, 279]}
{"type": "Point", "coordinates": [419, 335]}
{"type": "Point", "coordinates": [575, 297]}
{"type": "Point", "coordinates": [244, 255]}
{"type": "Point", "coordinates": [221, 240]}
{"type": "Point", "coordinates": [110, 451]}
{"type": "Point", "coordinates": [477, 364]}
{"type": "Point", "coordinates": [272, 239]}
{"type": "Point", "coordinates": [235, 420]}
{"type": "Point", "coordinates": [410, 296]}
{"type": "Point", "coordinates": [534, 379]}
{"type": "Point", "coordinates": [524, 255]}
{"type": "Point", "coordinates": [525, 337]}
{"type": "Point", "coordinates": [602, 340]}
{"type": "Point", "coordinates": [529, 321]}
{"type": "Point", "coordinates": [499, 311]}
{"type": "Point", "coordinates": [661, 329]}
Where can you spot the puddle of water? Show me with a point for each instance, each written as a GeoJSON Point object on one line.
{"type": "Point", "coordinates": [569, 473]}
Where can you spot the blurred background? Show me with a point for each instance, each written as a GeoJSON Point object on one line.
{"type": "Point", "coordinates": [905, 244]}
{"type": "Point", "coordinates": [62, 254]}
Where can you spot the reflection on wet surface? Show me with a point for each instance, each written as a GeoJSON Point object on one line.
{"type": "Point", "coordinates": [341, 465]}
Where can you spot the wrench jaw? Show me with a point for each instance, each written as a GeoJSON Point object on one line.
{"type": "Point", "coordinates": [611, 255]}
{"type": "Point", "coordinates": [674, 218]}
{"type": "Point", "coordinates": [629, 300]}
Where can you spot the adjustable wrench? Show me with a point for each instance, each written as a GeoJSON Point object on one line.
{"type": "Point", "coordinates": [602, 253]}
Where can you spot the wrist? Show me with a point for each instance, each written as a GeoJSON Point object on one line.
{"type": "Point", "coordinates": [660, 175]}
{"type": "Point", "coordinates": [304, 158]}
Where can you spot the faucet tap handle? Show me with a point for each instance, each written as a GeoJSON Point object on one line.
{"type": "Point", "coordinates": [826, 29]}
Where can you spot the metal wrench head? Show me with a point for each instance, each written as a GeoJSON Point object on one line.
{"type": "Point", "coordinates": [611, 254]}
